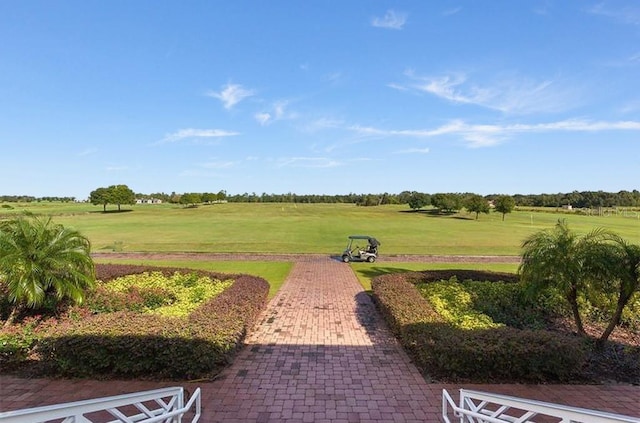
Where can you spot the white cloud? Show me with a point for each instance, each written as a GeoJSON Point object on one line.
{"type": "Point", "coordinates": [627, 15]}
{"type": "Point", "coordinates": [191, 133]}
{"type": "Point", "coordinates": [413, 151]}
{"type": "Point", "coordinates": [309, 162]}
{"type": "Point", "coordinates": [278, 112]}
{"type": "Point", "coordinates": [218, 165]}
{"type": "Point", "coordinates": [512, 95]}
{"type": "Point", "coordinates": [491, 134]}
{"type": "Point", "coordinates": [263, 118]}
{"type": "Point", "coordinates": [87, 152]}
{"type": "Point", "coordinates": [231, 95]}
{"type": "Point", "coordinates": [391, 20]}
{"type": "Point", "coordinates": [450, 12]}
{"type": "Point", "coordinates": [322, 124]}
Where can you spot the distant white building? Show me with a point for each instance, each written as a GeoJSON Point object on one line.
{"type": "Point", "coordinates": [148, 201]}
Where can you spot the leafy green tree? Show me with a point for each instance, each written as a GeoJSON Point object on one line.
{"type": "Point", "coordinates": [41, 260]}
{"type": "Point", "coordinates": [121, 194]}
{"type": "Point", "coordinates": [114, 194]}
{"type": "Point", "coordinates": [504, 204]}
{"type": "Point", "coordinates": [559, 258]}
{"type": "Point", "coordinates": [190, 198]}
{"type": "Point", "coordinates": [477, 204]}
{"type": "Point", "coordinates": [100, 196]}
{"type": "Point", "coordinates": [446, 202]}
{"type": "Point", "coordinates": [418, 200]}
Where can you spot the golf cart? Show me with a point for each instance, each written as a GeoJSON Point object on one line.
{"type": "Point", "coordinates": [358, 253]}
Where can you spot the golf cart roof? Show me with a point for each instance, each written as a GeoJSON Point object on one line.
{"type": "Point", "coordinates": [360, 237]}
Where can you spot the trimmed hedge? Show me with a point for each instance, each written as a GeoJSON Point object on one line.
{"type": "Point", "coordinates": [133, 345]}
{"type": "Point", "coordinates": [490, 355]}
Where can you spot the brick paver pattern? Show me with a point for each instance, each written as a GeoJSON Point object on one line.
{"type": "Point", "coordinates": [320, 353]}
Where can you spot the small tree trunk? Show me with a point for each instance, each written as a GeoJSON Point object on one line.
{"type": "Point", "coordinates": [615, 320]}
{"type": "Point", "coordinates": [503, 216]}
{"type": "Point", "coordinates": [12, 317]}
{"type": "Point", "coordinates": [573, 300]}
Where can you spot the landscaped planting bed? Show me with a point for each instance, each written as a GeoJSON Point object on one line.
{"type": "Point", "coordinates": [482, 327]}
{"type": "Point", "coordinates": [142, 322]}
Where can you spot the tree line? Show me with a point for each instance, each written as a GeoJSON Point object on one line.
{"type": "Point", "coordinates": [450, 201]}
{"type": "Point", "coordinates": [454, 201]}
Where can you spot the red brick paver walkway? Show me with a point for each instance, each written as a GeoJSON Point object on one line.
{"type": "Point", "coordinates": [320, 354]}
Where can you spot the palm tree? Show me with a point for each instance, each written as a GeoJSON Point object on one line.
{"type": "Point", "coordinates": [559, 258]}
{"type": "Point", "coordinates": [39, 259]}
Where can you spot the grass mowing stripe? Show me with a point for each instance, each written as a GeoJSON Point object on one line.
{"type": "Point", "coordinates": [313, 228]}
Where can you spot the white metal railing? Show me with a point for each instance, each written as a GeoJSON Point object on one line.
{"type": "Point", "coordinates": [483, 407]}
{"type": "Point", "coordinates": [159, 405]}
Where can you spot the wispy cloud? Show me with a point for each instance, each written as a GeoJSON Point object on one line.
{"type": "Point", "coordinates": [87, 152]}
{"type": "Point", "coordinates": [231, 94]}
{"type": "Point", "coordinates": [218, 164]}
{"type": "Point", "coordinates": [309, 162]}
{"type": "Point", "coordinates": [390, 20]}
{"type": "Point", "coordinates": [197, 134]}
{"type": "Point", "coordinates": [450, 12]}
{"type": "Point", "coordinates": [511, 95]}
{"type": "Point", "coordinates": [322, 124]}
{"type": "Point", "coordinates": [627, 15]}
{"type": "Point", "coordinates": [116, 168]}
{"type": "Point", "coordinates": [278, 111]}
{"type": "Point", "coordinates": [413, 151]}
{"type": "Point", "coordinates": [263, 118]}
{"type": "Point", "coordinates": [488, 135]}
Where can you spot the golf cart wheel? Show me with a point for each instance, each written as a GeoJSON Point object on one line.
{"type": "Point", "coordinates": [371, 259]}
{"type": "Point", "coordinates": [345, 259]}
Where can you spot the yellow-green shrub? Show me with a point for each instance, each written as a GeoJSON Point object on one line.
{"type": "Point", "coordinates": [177, 294]}
{"type": "Point", "coordinates": [443, 351]}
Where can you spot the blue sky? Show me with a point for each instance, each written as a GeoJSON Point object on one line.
{"type": "Point", "coordinates": [319, 97]}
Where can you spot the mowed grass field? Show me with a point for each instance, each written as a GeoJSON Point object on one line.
{"type": "Point", "coordinates": [309, 228]}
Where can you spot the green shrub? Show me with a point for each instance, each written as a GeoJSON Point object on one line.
{"type": "Point", "coordinates": [455, 304]}
{"type": "Point", "coordinates": [133, 345]}
{"type": "Point", "coordinates": [156, 292]}
{"type": "Point", "coordinates": [443, 351]}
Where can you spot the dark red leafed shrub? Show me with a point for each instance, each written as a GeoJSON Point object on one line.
{"type": "Point", "coordinates": [494, 355]}
{"type": "Point", "coordinates": [132, 345]}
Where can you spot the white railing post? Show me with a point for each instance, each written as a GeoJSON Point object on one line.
{"type": "Point", "coordinates": [159, 405]}
{"type": "Point", "coordinates": [481, 407]}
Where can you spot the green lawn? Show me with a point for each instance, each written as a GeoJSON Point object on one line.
{"type": "Point", "coordinates": [310, 228]}
{"type": "Point", "coordinates": [366, 272]}
{"type": "Point", "coordinates": [273, 272]}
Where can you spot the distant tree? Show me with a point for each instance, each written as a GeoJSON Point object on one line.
{"type": "Point", "coordinates": [446, 202]}
{"type": "Point", "coordinates": [40, 260]}
{"type": "Point", "coordinates": [418, 200]}
{"type": "Point", "coordinates": [504, 204]}
{"type": "Point", "coordinates": [114, 194]}
{"type": "Point", "coordinates": [477, 204]}
{"type": "Point", "coordinates": [121, 194]}
{"type": "Point", "coordinates": [191, 198]}
{"type": "Point", "coordinates": [100, 196]}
